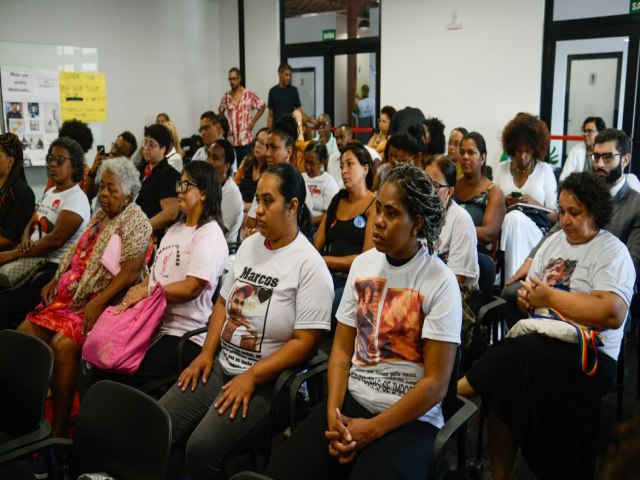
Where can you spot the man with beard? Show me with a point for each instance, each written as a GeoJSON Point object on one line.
{"type": "Point", "coordinates": [611, 154]}
{"type": "Point", "coordinates": [238, 105]}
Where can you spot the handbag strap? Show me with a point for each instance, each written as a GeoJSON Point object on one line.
{"type": "Point", "coordinates": [586, 336]}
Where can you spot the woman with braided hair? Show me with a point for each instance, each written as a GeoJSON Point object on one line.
{"type": "Point", "coordinates": [386, 381]}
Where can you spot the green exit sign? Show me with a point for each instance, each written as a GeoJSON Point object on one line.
{"type": "Point", "coordinates": [634, 6]}
{"type": "Point", "coordinates": [329, 35]}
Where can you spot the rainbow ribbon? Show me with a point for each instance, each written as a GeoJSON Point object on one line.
{"type": "Point", "coordinates": [586, 336]}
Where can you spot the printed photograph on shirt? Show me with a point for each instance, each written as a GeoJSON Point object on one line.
{"type": "Point", "coordinates": [246, 315]}
{"type": "Point", "coordinates": [400, 328]}
{"type": "Point", "coordinates": [369, 291]}
{"type": "Point", "coordinates": [557, 273]}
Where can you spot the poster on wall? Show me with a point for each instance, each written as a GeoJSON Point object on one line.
{"type": "Point", "coordinates": [31, 108]}
{"type": "Point", "coordinates": [83, 96]}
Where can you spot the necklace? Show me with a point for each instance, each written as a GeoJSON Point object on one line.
{"type": "Point", "coordinates": [528, 169]}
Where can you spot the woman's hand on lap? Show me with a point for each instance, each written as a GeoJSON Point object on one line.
{"type": "Point", "coordinates": [236, 393]}
{"type": "Point", "coordinates": [133, 296]}
{"type": "Point", "coordinates": [92, 311]}
{"type": "Point", "coordinates": [539, 293]}
{"type": "Point", "coordinates": [202, 364]}
{"type": "Point", "coordinates": [48, 292]}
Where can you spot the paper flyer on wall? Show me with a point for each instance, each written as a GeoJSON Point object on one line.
{"type": "Point", "coordinates": [31, 107]}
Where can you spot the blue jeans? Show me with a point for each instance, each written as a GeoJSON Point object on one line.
{"type": "Point", "coordinates": [203, 440]}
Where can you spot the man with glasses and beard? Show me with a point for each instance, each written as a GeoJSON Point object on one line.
{"type": "Point", "coordinates": [611, 155]}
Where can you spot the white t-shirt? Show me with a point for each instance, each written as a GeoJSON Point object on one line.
{"type": "Point", "coordinates": [576, 160]}
{"type": "Point", "coordinates": [409, 303]}
{"type": "Point", "coordinates": [72, 200]}
{"type": "Point", "coordinates": [333, 164]}
{"type": "Point", "coordinates": [321, 189]}
{"type": "Point", "coordinates": [458, 243]}
{"type": "Point", "coordinates": [175, 160]}
{"type": "Point", "coordinates": [201, 154]}
{"type": "Point", "coordinates": [232, 209]}
{"type": "Point", "coordinates": [603, 264]}
{"type": "Point", "coordinates": [269, 294]}
{"type": "Point", "coordinates": [541, 185]}
{"type": "Point", "coordinates": [190, 251]}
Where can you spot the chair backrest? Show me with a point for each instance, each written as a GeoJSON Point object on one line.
{"type": "Point", "coordinates": [487, 274]}
{"type": "Point", "coordinates": [121, 431]}
{"type": "Point", "coordinates": [450, 404]}
{"type": "Point", "coordinates": [26, 364]}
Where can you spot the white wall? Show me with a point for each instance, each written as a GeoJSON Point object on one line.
{"type": "Point", "coordinates": [478, 77]}
{"type": "Point", "coordinates": [157, 55]}
{"type": "Point", "coordinates": [262, 47]}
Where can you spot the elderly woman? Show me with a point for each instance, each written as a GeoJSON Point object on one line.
{"type": "Point", "coordinates": [82, 287]}
{"type": "Point", "coordinates": [529, 188]}
{"type": "Point", "coordinates": [457, 244]}
{"type": "Point", "coordinates": [60, 217]}
{"type": "Point", "coordinates": [393, 351]}
{"type": "Point", "coordinates": [16, 197]}
{"type": "Point", "coordinates": [534, 384]}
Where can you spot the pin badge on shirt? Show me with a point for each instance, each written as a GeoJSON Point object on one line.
{"type": "Point", "coordinates": [359, 221]}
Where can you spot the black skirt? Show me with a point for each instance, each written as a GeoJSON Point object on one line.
{"type": "Point", "coordinates": [536, 386]}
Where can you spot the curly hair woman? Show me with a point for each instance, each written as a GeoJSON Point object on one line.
{"type": "Point", "coordinates": [540, 395]}
{"type": "Point", "coordinates": [529, 188]}
{"type": "Point", "coordinates": [386, 383]}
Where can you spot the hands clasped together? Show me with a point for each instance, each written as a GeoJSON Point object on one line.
{"type": "Point", "coordinates": [347, 436]}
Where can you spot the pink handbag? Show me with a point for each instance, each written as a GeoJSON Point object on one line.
{"type": "Point", "coordinates": [118, 342]}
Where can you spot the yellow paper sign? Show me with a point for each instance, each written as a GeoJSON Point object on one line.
{"type": "Point", "coordinates": [83, 96]}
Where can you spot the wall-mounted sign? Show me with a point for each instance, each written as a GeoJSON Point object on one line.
{"type": "Point", "coordinates": [329, 35]}
{"type": "Point", "coordinates": [83, 96]}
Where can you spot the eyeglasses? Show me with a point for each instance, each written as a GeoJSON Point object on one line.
{"type": "Point", "coordinates": [150, 144]}
{"type": "Point", "coordinates": [438, 186]}
{"type": "Point", "coordinates": [205, 127]}
{"type": "Point", "coordinates": [118, 149]}
{"type": "Point", "coordinates": [606, 157]}
{"type": "Point", "coordinates": [589, 131]}
{"type": "Point", "coordinates": [59, 160]}
{"type": "Point", "coordinates": [182, 186]}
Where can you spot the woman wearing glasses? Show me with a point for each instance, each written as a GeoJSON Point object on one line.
{"type": "Point", "coordinates": [457, 244]}
{"type": "Point", "coordinates": [83, 287]}
{"type": "Point", "coordinates": [190, 260]}
{"type": "Point", "coordinates": [158, 193]}
{"type": "Point", "coordinates": [59, 218]}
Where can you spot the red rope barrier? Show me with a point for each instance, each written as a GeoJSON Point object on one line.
{"type": "Point", "coordinates": [566, 137]}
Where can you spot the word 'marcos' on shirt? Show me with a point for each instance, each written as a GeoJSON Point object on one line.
{"type": "Point", "coordinates": [250, 276]}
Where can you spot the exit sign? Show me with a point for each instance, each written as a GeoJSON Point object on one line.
{"type": "Point", "coordinates": [634, 6]}
{"type": "Point", "coordinates": [329, 35]}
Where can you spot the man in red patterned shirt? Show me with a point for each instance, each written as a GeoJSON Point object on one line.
{"type": "Point", "coordinates": [238, 105]}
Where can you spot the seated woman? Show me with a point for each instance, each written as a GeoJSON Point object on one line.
{"type": "Point", "coordinates": [477, 194]}
{"type": "Point", "coordinates": [17, 200]}
{"type": "Point", "coordinates": [252, 167]}
{"type": "Point", "coordinates": [525, 179]}
{"type": "Point", "coordinates": [391, 363]}
{"type": "Point", "coordinates": [538, 395]}
{"type": "Point", "coordinates": [379, 140]}
{"type": "Point", "coordinates": [282, 288]}
{"type": "Point", "coordinates": [189, 262]}
{"type": "Point", "coordinates": [345, 230]}
{"type": "Point", "coordinates": [60, 217]}
{"type": "Point", "coordinates": [457, 244]}
{"type": "Point", "coordinates": [82, 287]}
{"type": "Point", "coordinates": [406, 147]}
{"type": "Point", "coordinates": [453, 147]}
{"type": "Point", "coordinates": [157, 196]}
{"type": "Point", "coordinates": [320, 185]}
{"type": "Point", "coordinates": [221, 156]}
{"type": "Point", "coordinates": [434, 141]}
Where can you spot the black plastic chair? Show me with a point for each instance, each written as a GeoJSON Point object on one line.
{"type": "Point", "coordinates": [26, 365]}
{"type": "Point", "coordinates": [456, 411]}
{"type": "Point", "coordinates": [120, 431]}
